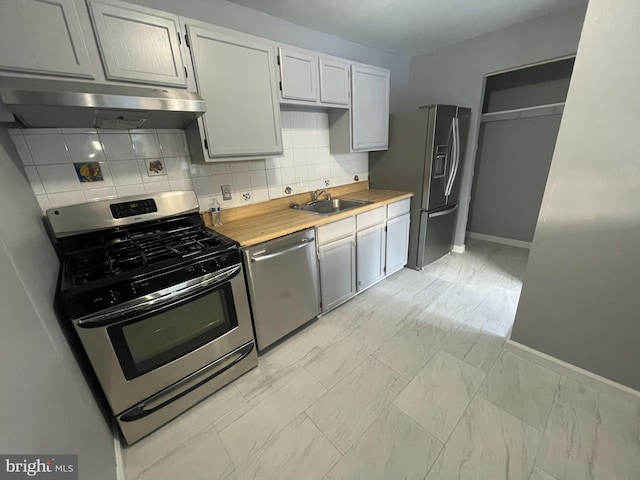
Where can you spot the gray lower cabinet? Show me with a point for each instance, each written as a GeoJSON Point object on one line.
{"type": "Point", "coordinates": [370, 246]}
{"type": "Point", "coordinates": [337, 262]}
{"type": "Point", "coordinates": [138, 44]}
{"type": "Point", "coordinates": [358, 251]}
{"type": "Point", "coordinates": [337, 272]}
{"type": "Point", "coordinates": [43, 37]}
{"type": "Point", "coordinates": [397, 247]}
{"type": "Point", "coordinates": [236, 75]}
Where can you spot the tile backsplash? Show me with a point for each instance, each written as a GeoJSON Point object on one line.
{"type": "Point", "coordinates": [67, 166]}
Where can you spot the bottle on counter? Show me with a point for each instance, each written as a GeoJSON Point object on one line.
{"type": "Point", "coordinates": [215, 213]}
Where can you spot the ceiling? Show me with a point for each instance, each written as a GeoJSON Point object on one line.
{"type": "Point", "coordinates": [408, 27]}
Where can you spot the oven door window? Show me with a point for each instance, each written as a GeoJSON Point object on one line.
{"type": "Point", "coordinates": [147, 343]}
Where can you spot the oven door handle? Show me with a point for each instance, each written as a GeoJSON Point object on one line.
{"type": "Point", "coordinates": [161, 298]}
{"type": "Point", "coordinates": [186, 385]}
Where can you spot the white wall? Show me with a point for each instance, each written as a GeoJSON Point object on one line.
{"type": "Point", "coordinates": [455, 75]}
{"type": "Point", "coordinates": [46, 405]}
{"type": "Point", "coordinates": [580, 299]}
{"type": "Point", "coordinates": [243, 19]}
{"type": "Point", "coordinates": [50, 156]}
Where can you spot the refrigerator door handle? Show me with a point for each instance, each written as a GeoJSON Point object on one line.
{"type": "Point", "coordinates": [455, 157]}
{"type": "Point", "coordinates": [458, 150]}
{"type": "Point", "coordinates": [447, 189]}
{"type": "Point", "coordinates": [444, 212]}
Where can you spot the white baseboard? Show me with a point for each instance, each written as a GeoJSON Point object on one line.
{"type": "Point", "coordinates": [561, 367]}
{"type": "Point", "coordinates": [458, 249]}
{"type": "Point", "coordinates": [504, 241]}
{"type": "Point", "coordinates": [117, 447]}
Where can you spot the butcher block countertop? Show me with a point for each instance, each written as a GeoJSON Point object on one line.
{"type": "Point", "coordinates": [265, 221]}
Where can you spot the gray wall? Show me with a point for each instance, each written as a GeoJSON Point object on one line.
{"type": "Point", "coordinates": [455, 74]}
{"type": "Point", "coordinates": [580, 300]}
{"type": "Point", "coordinates": [243, 19]}
{"type": "Point", "coordinates": [510, 175]}
{"type": "Point", "coordinates": [46, 404]}
{"type": "Point", "coordinates": [545, 93]}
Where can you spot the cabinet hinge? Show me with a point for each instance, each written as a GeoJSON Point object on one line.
{"type": "Point", "coordinates": [186, 75]}
{"type": "Point", "coordinates": [278, 59]}
{"type": "Point", "coordinates": [385, 228]}
{"type": "Point", "coordinates": [280, 84]}
{"type": "Point", "coordinates": [179, 39]}
{"type": "Point", "coordinates": [206, 144]}
{"type": "Point", "coordinates": [186, 40]}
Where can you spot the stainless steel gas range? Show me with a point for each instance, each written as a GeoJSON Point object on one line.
{"type": "Point", "coordinates": [158, 301]}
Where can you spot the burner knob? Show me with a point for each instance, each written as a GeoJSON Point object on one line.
{"type": "Point", "coordinates": [113, 297]}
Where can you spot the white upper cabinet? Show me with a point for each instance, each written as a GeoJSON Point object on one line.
{"type": "Point", "coordinates": [298, 75]}
{"type": "Point", "coordinates": [334, 81]}
{"type": "Point", "coordinates": [369, 108]}
{"type": "Point", "coordinates": [310, 79]}
{"type": "Point", "coordinates": [138, 44]}
{"type": "Point", "coordinates": [236, 75]}
{"type": "Point", "coordinates": [43, 37]}
{"type": "Point", "coordinates": [365, 126]}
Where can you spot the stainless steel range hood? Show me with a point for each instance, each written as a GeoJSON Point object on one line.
{"type": "Point", "coordinates": [52, 103]}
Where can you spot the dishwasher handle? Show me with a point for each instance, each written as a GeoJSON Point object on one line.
{"type": "Point", "coordinates": [303, 243]}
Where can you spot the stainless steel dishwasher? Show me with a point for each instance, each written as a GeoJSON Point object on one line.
{"type": "Point", "coordinates": [284, 290]}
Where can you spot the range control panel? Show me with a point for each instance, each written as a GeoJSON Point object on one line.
{"type": "Point", "coordinates": [130, 209]}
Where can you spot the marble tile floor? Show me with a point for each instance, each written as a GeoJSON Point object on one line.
{"type": "Point", "coordinates": [407, 380]}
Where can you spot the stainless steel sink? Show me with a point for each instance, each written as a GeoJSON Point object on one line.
{"type": "Point", "coordinates": [330, 207]}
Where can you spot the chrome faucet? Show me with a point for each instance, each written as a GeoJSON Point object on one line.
{"type": "Point", "coordinates": [316, 194]}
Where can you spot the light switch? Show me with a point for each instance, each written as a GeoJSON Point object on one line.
{"type": "Point", "coordinates": [226, 192]}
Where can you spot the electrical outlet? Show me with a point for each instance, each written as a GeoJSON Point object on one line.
{"type": "Point", "coordinates": [246, 197]}
{"type": "Point", "coordinates": [327, 182]}
{"type": "Point", "coordinates": [226, 192]}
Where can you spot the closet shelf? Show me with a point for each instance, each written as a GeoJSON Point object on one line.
{"type": "Point", "coordinates": [518, 113]}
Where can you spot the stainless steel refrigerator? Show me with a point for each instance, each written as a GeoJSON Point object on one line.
{"type": "Point", "coordinates": [426, 149]}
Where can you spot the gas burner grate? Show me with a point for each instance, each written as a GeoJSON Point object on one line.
{"type": "Point", "coordinates": [139, 251]}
